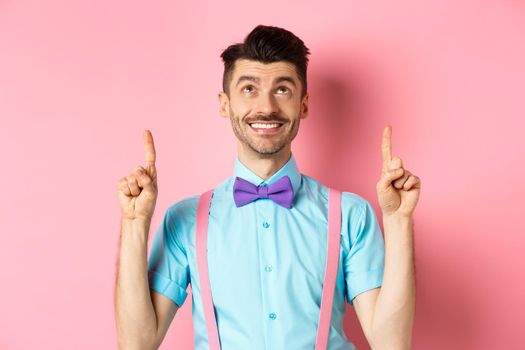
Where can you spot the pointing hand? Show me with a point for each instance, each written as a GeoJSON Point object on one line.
{"type": "Point", "coordinates": [138, 191]}
{"type": "Point", "coordinates": [397, 189]}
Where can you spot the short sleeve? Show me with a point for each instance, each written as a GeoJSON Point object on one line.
{"type": "Point", "coordinates": [364, 262]}
{"type": "Point", "coordinates": [168, 270]}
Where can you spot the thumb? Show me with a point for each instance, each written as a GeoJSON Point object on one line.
{"type": "Point", "coordinates": [151, 171]}
{"type": "Point", "coordinates": [388, 177]}
{"type": "Point", "coordinates": [145, 181]}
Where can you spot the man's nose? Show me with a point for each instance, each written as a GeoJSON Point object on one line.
{"type": "Point", "coordinates": [266, 104]}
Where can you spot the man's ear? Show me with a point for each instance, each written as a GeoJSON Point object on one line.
{"type": "Point", "coordinates": [224, 104]}
{"type": "Point", "coordinates": [304, 106]}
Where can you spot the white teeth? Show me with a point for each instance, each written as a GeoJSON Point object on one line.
{"type": "Point", "coordinates": [264, 126]}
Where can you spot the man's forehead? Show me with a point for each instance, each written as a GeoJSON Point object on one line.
{"type": "Point", "coordinates": [245, 67]}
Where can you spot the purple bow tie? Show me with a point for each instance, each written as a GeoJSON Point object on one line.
{"type": "Point", "coordinates": [281, 192]}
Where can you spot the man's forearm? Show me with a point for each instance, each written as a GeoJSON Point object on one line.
{"type": "Point", "coordinates": [395, 307]}
{"type": "Point", "coordinates": [134, 313]}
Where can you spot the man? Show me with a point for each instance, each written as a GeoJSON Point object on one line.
{"type": "Point", "coordinates": [267, 259]}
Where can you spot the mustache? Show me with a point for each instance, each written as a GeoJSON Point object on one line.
{"type": "Point", "coordinates": [267, 118]}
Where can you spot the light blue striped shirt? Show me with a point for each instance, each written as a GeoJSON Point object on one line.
{"type": "Point", "coordinates": [266, 263]}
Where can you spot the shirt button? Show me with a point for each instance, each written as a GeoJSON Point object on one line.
{"type": "Point", "coordinates": [265, 224]}
{"type": "Point", "coordinates": [268, 268]}
{"type": "Point", "coordinates": [272, 316]}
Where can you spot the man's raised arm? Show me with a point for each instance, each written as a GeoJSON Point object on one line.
{"type": "Point", "coordinates": [142, 315]}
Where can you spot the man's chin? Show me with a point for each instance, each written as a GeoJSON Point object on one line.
{"type": "Point", "coordinates": [267, 151]}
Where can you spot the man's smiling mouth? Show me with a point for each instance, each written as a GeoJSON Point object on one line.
{"type": "Point", "coordinates": [265, 127]}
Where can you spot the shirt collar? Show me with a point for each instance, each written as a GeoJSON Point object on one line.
{"type": "Point", "coordinates": [290, 169]}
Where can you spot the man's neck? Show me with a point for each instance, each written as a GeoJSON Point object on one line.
{"type": "Point", "coordinates": [265, 167]}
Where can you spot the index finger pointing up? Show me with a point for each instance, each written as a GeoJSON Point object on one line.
{"type": "Point", "coordinates": [149, 148]}
{"type": "Point", "coordinates": [386, 146]}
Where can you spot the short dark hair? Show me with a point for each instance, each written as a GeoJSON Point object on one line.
{"type": "Point", "coordinates": [267, 44]}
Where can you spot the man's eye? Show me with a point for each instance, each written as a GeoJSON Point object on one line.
{"type": "Point", "coordinates": [248, 89]}
{"type": "Point", "coordinates": [283, 90]}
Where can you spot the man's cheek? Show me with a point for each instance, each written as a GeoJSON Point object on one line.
{"type": "Point", "coordinates": [243, 106]}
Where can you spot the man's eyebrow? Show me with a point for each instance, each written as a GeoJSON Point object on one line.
{"type": "Point", "coordinates": [257, 80]}
{"type": "Point", "coordinates": [285, 78]}
{"type": "Point", "coordinates": [247, 77]}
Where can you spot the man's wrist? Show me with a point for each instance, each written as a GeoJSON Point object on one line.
{"type": "Point", "coordinates": [398, 218]}
{"type": "Point", "coordinates": [398, 223]}
{"type": "Point", "coordinates": [135, 226]}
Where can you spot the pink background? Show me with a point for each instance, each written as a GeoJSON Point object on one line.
{"type": "Point", "coordinates": [80, 81]}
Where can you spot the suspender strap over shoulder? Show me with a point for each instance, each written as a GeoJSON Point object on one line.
{"type": "Point", "coordinates": [202, 268]}
{"type": "Point", "coordinates": [332, 261]}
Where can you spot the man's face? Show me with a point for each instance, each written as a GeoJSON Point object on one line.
{"type": "Point", "coordinates": [264, 105]}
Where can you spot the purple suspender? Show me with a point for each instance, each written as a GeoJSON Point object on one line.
{"type": "Point", "coordinates": [332, 260]}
